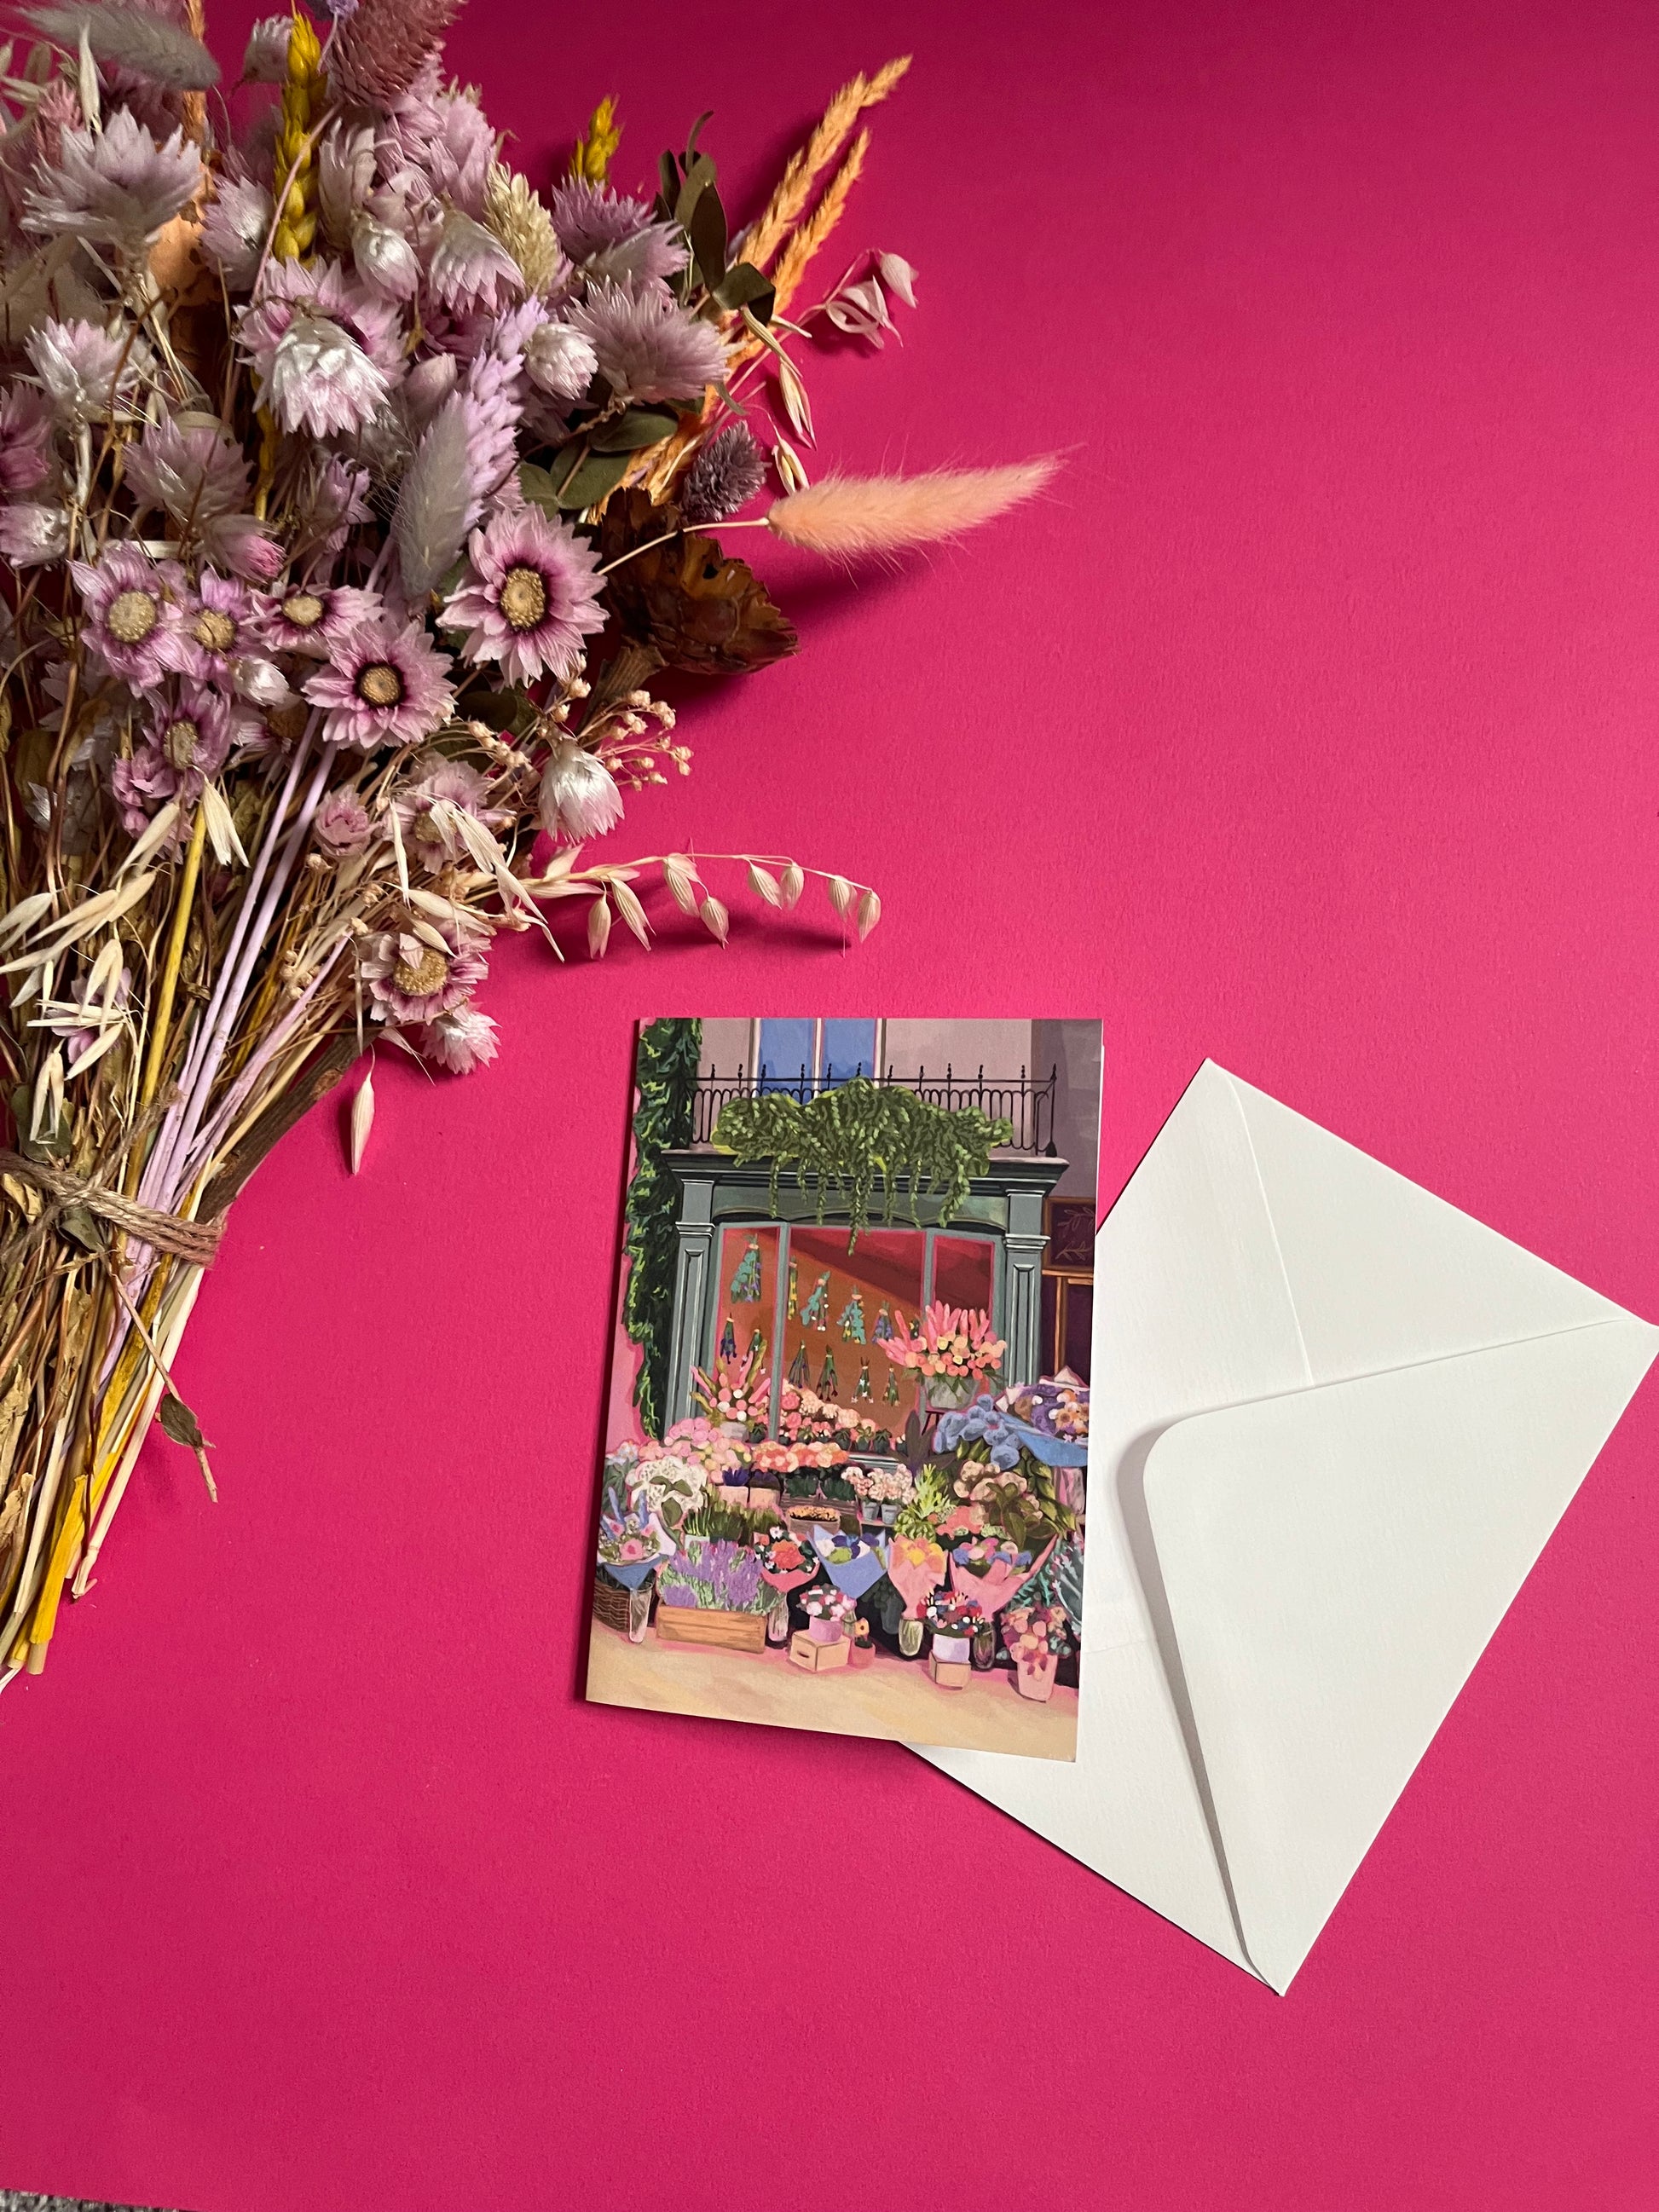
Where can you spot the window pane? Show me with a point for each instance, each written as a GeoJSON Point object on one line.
{"type": "Point", "coordinates": [964, 1273]}
{"type": "Point", "coordinates": [786, 1056]}
{"type": "Point", "coordinates": [849, 1049]}
{"type": "Point", "coordinates": [845, 1308]}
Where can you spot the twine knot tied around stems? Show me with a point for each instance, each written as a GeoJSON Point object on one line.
{"type": "Point", "coordinates": [195, 1240]}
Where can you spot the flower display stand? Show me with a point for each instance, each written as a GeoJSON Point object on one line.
{"type": "Point", "coordinates": [820, 1658]}
{"type": "Point", "coordinates": [948, 1674]}
{"type": "Point", "coordinates": [713, 1629]}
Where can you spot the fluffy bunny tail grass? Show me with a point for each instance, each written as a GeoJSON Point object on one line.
{"type": "Point", "coordinates": [854, 515]}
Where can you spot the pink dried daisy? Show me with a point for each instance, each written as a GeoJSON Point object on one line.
{"type": "Point", "coordinates": [131, 608]}
{"type": "Point", "coordinates": [382, 687]}
{"type": "Point", "coordinates": [313, 618]}
{"type": "Point", "coordinates": [530, 597]}
{"type": "Point", "coordinates": [410, 979]}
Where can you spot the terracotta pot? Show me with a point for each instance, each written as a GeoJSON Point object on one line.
{"type": "Point", "coordinates": [1037, 1682]}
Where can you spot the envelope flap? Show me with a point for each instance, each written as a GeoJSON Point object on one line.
{"type": "Point", "coordinates": [1381, 1272]}
{"type": "Point", "coordinates": [1334, 1562]}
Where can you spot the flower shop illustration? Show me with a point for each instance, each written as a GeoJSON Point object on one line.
{"type": "Point", "coordinates": [846, 1443]}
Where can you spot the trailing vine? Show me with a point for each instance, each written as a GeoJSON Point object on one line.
{"type": "Point", "coordinates": [665, 1073]}
{"type": "Point", "coordinates": [860, 1133]}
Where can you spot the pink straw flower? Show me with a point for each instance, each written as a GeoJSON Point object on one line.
{"type": "Point", "coordinates": [341, 824]}
{"type": "Point", "coordinates": [530, 597]}
{"type": "Point", "coordinates": [382, 687]}
{"type": "Point", "coordinates": [413, 980]}
{"type": "Point", "coordinates": [314, 618]}
{"type": "Point", "coordinates": [130, 608]}
{"type": "Point", "coordinates": [460, 1041]}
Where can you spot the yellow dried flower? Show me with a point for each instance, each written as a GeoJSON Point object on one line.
{"type": "Point", "coordinates": [592, 159]}
{"type": "Point", "coordinates": [514, 211]}
{"type": "Point", "coordinates": [296, 162]}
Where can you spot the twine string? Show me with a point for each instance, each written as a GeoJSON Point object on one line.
{"type": "Point", "coordinates": [195, 1240]}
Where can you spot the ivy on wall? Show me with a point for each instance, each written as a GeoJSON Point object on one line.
{"type": "Point", "coordinates": [666, 1076]}
{"type": "Point", "coordinates": [861, 1133]}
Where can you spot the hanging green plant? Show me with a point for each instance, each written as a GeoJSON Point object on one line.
{"type": "Point", "coordinates": [860, 1133]}
{"type": "Point", "coordinates": [665, 1072]}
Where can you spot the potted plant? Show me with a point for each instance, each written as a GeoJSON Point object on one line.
{"type": "Point", "coordinates": [1037, 1638]}
{"type": "Point", "coordinates": [953, 1619]}
{"type": "Point", "coordinates": [828, 1611]}
{"type": "Point", "coordinates": [953, 1349]}
{"type": "Point", "coordinates": [712, 1592]}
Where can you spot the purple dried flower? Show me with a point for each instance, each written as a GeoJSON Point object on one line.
{"type": "Point", "coordinates": [559, 362]}
{"type": "Point", "coordinates": [382, 687]}
{"type": "Point", "coordinates": [529, 597]}
{"type": "Point", "coordinates": [341, 824]}
{"type": "Point", "coordinates": [467, 266]}
{"type": "Point", "coordinates": [117, 187]}
{"type": "Point", "coordinates": [579, 794]}
{"type": "Point", "coordinates": [379, 50]}
{"type": "Point", "coordinates": [725, 476]}
{"type": "Point", "coordinates": [130, 607]}
{"type": "Point", "coordinates": [431, 837]}
{"type": "Point", "coordinates": [234, 228]}
{"type": "Point", "coordinates": [410, 980]}
{"type": "Point", "coordinates": [30, 534]}
{"type": "Point", "coordinates": [313, 618]}
{"type": "Point", "coordinates": [86, 371]}
{"type": "Point", "coordinates": [25, 438]}
{"type": "Point", "coordinates": [645, 345]}
{"type": "Point", "coordinates": [460, 1041]}
{"type": "Point", "coordinates": [215, 628]}
{"type": "Point", "coordinates": [589, 220]}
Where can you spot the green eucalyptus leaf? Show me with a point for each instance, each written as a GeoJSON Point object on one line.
{"type": "Point", "coordinates": [593, 477]}
{"type": "Point", "coordinates": [699, 179]}
{"type": "Point", "coordinates": [744, 286]}
{"type": "Point", "coordinates": [697, 133]}
{"type": "Point", "coordinates": [633, 432]}
{"type": "Point", "coordinates": [706, 229]}
{"type": "Point", "coordinates": [537, 485]}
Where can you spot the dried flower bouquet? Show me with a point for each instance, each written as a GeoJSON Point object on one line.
{"type": "Point", "coordinates": [352, 494]}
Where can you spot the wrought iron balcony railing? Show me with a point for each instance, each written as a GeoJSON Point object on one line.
{"type": "Point", "coordinates": [1026, 1101]}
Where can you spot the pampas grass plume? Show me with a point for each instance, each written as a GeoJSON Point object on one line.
{"type": "Point", "coordinates": [855, 515]}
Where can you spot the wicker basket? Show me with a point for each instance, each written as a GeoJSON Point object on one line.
{"type": "Point", "coordinates": [611, 1601]}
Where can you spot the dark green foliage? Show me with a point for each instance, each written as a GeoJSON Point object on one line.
{"type": "Point", "coordinates": [860, 1133]}
{"type": "Point", "coordinates": [665, 1074]}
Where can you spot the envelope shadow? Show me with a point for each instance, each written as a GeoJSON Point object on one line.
{"type": "Point", "coordinates": [1137, 1521]}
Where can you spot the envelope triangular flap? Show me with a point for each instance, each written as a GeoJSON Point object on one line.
{"type": "Point", "coordinates": [1383, 1272]}
{"type": "Point", "coordinates": [1335, 1560]}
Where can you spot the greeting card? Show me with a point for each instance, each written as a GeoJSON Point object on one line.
{"type": "Point", "coordinates": [846, 1463]}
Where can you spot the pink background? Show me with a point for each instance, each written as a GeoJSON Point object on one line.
{"type": "Point", "coordinates": [1308, 724]}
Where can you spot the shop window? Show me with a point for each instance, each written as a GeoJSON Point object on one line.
{"type": "Point", "coordinates": [840, 1310]}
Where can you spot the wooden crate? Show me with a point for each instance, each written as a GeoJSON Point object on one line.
{"type": "Point", "coordinates": [948, 1674]}
{"type": "Point", "coordinates": [819, 1658]}
{"type": "Point", "coordinates": [723, 1631]}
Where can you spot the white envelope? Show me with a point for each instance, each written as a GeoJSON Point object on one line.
{"type": "Point", "coordinates": [1334, 1422]}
